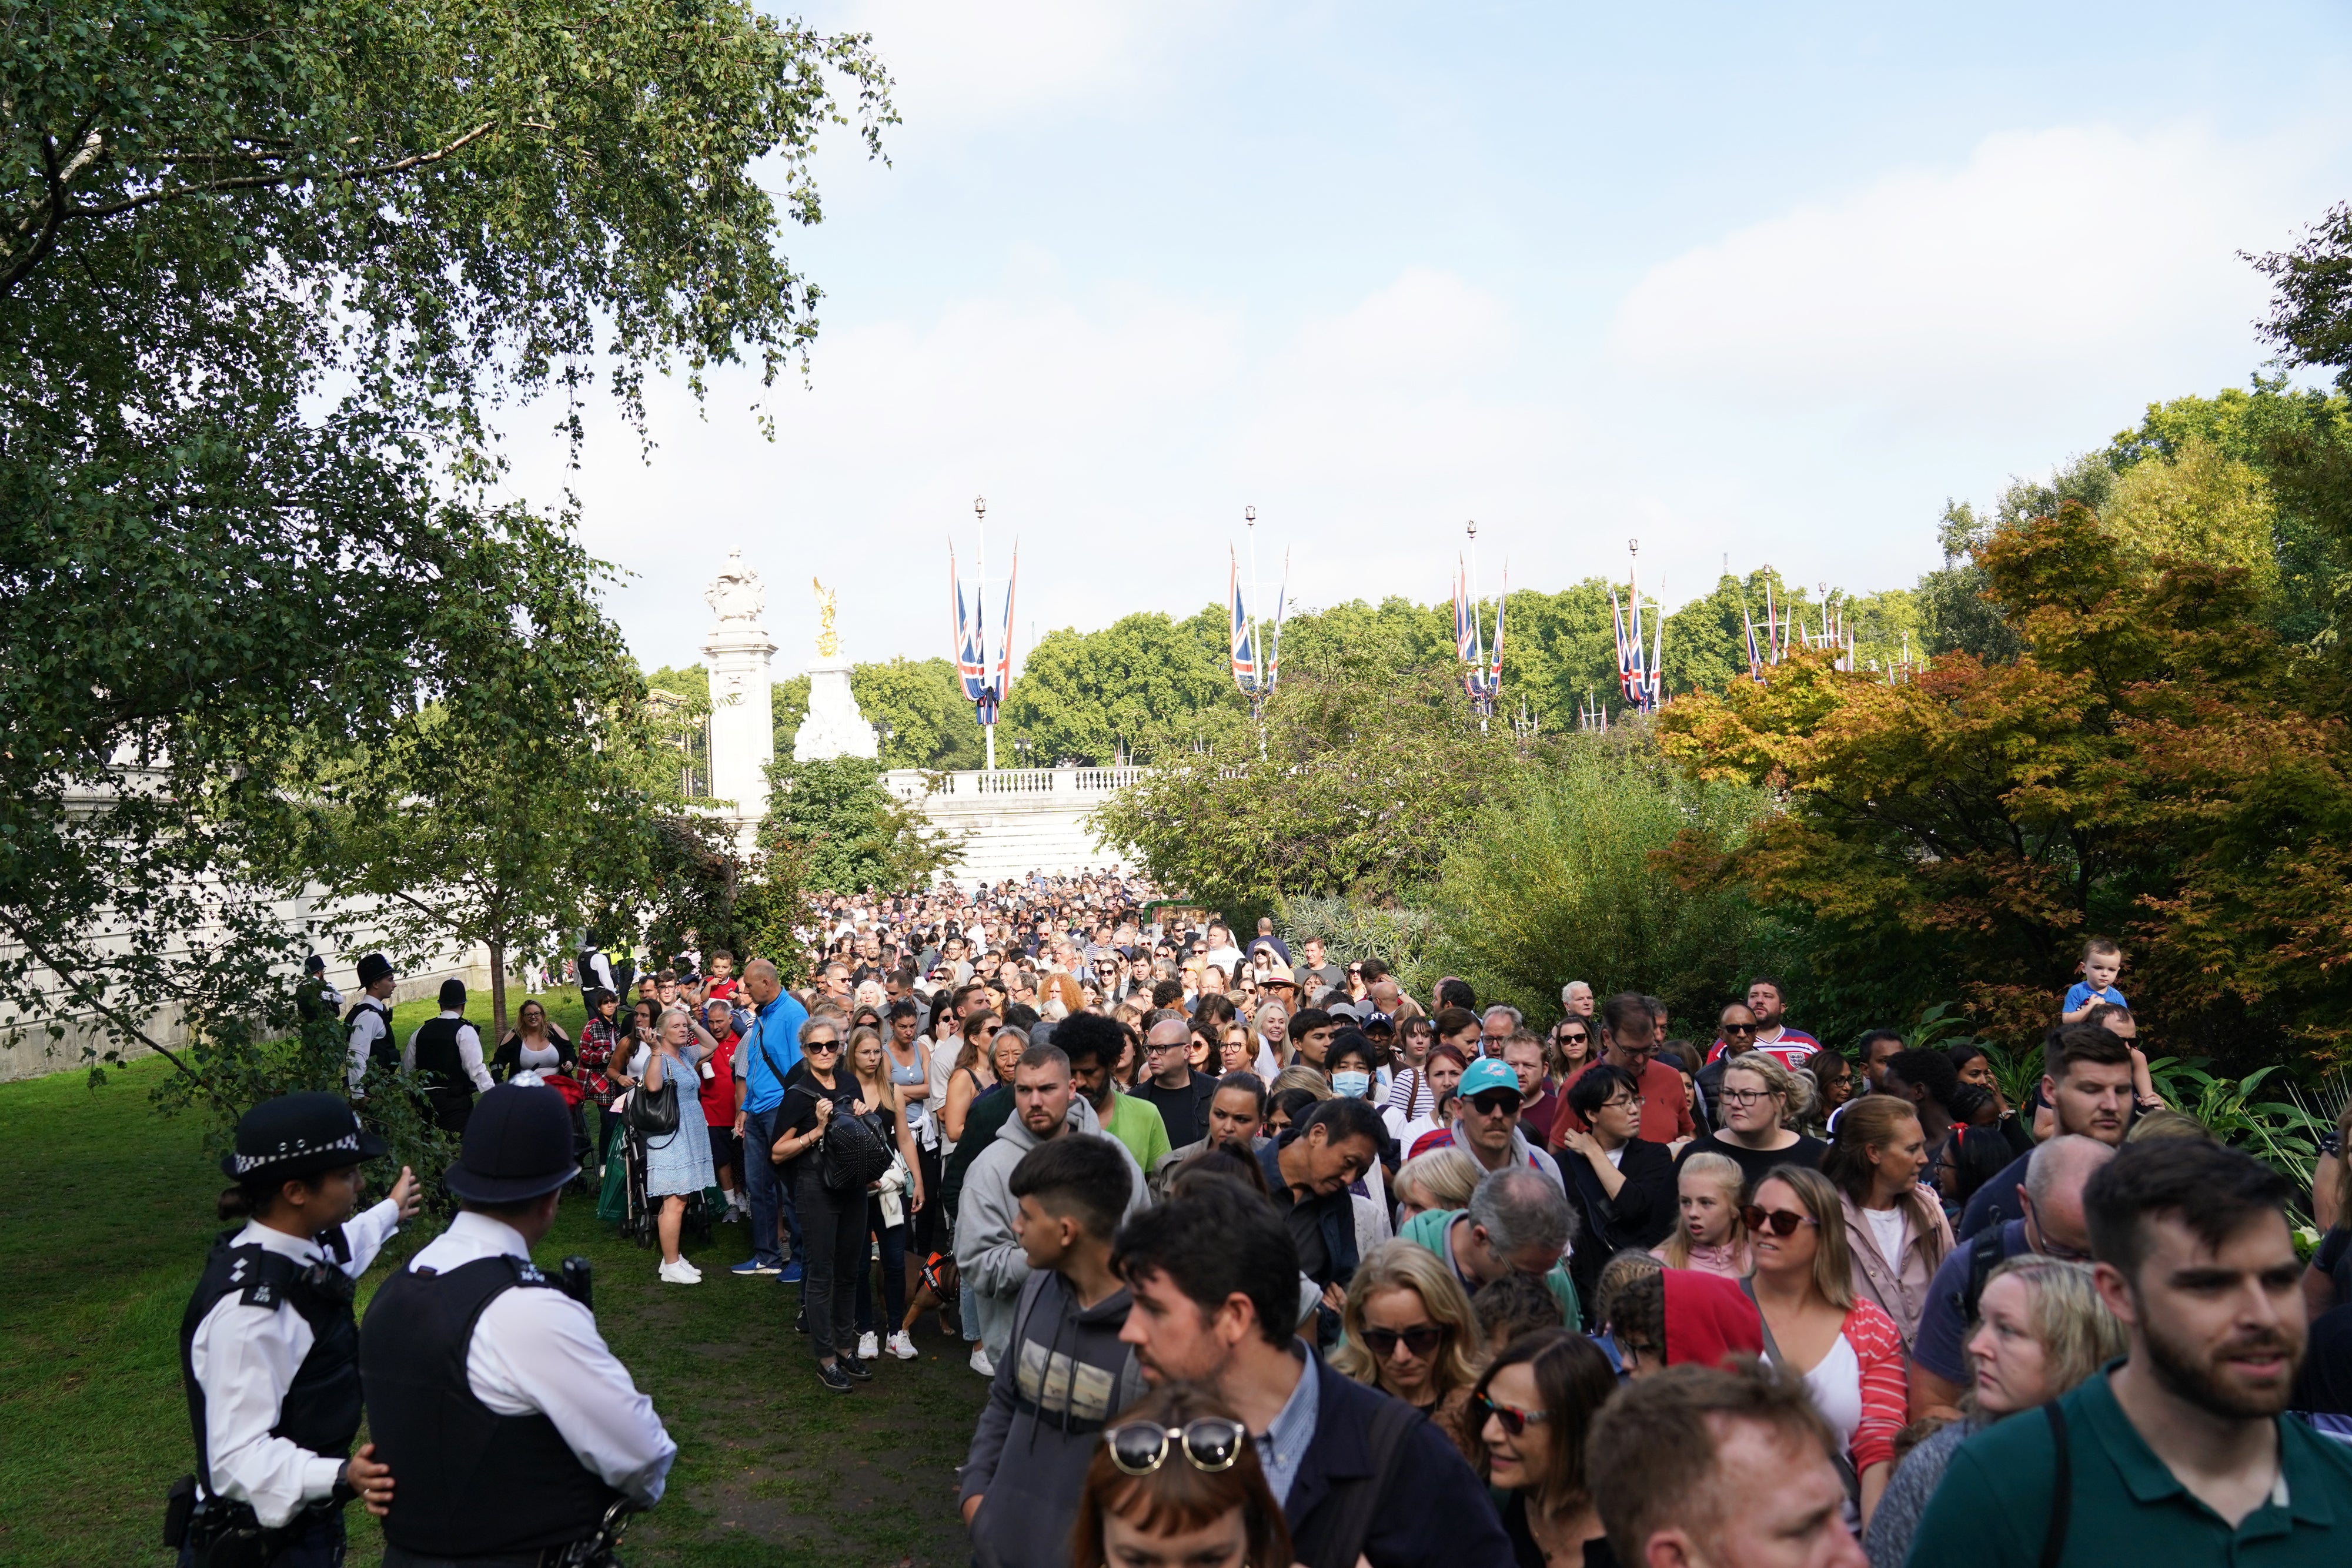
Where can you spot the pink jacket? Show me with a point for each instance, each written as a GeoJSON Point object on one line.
{"type": "Point", "coordinates": [1898, 1286]}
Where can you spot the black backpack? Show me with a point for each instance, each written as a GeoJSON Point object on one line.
{"type": "Point", "coordinates": [853, 1152]}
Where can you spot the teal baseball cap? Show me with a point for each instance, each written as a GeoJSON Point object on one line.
{"type": "Point", "coordinates": [1485, 1074]}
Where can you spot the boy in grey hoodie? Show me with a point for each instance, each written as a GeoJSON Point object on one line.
{"type": "Point", "coordinates": [1064, 1373]}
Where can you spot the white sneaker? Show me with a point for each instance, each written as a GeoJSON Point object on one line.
{"type": "Point", "coordinates": [678, 1273]}
{"type": "Point", "coordinates": [902, 1345]}
{"type": "Point", "coordinates": [980, 1361]}
{"type": "Point", "coordinates": [868, 1347]}
{"type": "Point", "coordinates": [687, 1264]}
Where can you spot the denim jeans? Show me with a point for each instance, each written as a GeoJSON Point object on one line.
{"type": "Point", "coordinates": [893, 1239]}
{"type": "Point", "coordinates": [770, 1192]}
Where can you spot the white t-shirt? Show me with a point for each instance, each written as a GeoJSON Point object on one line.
{"type": "Point", "coordinates": [1888, 1228]}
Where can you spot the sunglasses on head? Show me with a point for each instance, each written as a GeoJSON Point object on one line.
{"type": "Point", "coordinates": [1514, 1419]}
{"type": "Point", "coordinates": [1209, 1443]}
{"type": "Point", "coordinates": [1779, 1221]}
{"type": "Point", "coordinates": [1423, 1341]}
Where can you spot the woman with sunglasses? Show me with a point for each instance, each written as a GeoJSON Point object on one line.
{"type": "Point", "coordinates": [1532, 1408]}
{"type": "Point", "coordinates": [974, 1075]}
{"type": "Point", "coordinates": [1759, 1102]}
{"type": "Point", "coordinates": [1408, 1332]}
{"type": "Point", "coordinates": [1177, 1484]}
{"type": "Point", "coordinates": [1847, 1350]}
{"type": "Point", "coordinates": [833, 1224]}
{"type": "Point", "coordinates": [1571, 1045]}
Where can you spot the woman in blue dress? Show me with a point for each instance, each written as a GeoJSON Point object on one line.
{"type": "Point", "coordinates": [678, 1164]}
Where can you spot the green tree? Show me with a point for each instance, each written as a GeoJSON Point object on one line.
{"type": "Point", "coordinates": [264, 268]}
{"type": "Point", "coordinates": [844, 832]}
{"type": "Point", "coordinates": [1087, 697]}
{"type": "Point", "coordinates": [1365, 779]}
{"type": "Point", "coordinates": [477, 820]}
{"type": "Point", "coordinates": [1560, 876]}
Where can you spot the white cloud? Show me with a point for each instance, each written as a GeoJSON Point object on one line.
{"type": "Point", "coordinates": [2051, 263]}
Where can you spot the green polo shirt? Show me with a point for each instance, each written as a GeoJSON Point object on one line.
{"type": "Point", "coordinates": [1138, 1124]}
{"type": "Point", "coordinates": [1993, 1506]}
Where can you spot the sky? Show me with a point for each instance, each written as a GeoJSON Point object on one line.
{"type": "Point", "coordinates": [1762, 284]}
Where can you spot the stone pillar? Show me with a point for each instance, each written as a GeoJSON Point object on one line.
{"type": "Point", "coordinates": [743, 698]}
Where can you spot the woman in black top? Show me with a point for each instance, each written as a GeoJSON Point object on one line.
{"type": "Point", "coordinates": [833, 1224]}
{"type": "Point", "coordinates": [535, 1045]}
{"type": "Point", "coordinates": [1762, 1102]}
{"type": "Point", "coordinates": [1625, 1186]}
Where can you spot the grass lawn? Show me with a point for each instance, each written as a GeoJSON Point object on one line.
{"type": "Point", "coordinates": [106, 1212]}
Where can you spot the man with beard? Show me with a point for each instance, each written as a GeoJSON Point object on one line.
{"type": "Point", "coordinates": [2181, 1453]}
{"type": "Point", "coordinates": [2088, 1083]}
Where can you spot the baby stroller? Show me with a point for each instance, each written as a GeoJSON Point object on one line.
{"type": "Point", "coordinates": [637, 1225]}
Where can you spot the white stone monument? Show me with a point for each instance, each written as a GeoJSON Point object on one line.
{"type": "Point", "coordinates": [834, 727]}
{"type": "Point", "coordinates": [742, 705]}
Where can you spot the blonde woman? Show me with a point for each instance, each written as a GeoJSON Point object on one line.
{"type": "Point", "coordinates": [1441, 1180]}
{"type": "Point", "coordinates": [1897, 1227]}
{"type": "Point", "coordinates": [1709, 1234]}
{"type": "Point", "coordinates": [1762, 1102]}
{"type": "Point", "coordinates": [2041, 1329]}
{"type": "Point", "coordinates": [1845, 1349]}
{"type": "Point", "coordinates": [1409, 1332]}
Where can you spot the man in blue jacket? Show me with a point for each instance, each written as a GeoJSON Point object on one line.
{"type": "Point", "coordinates": [765, 1057]}
{"type": "Point", "coordinates": [1214, 1278]}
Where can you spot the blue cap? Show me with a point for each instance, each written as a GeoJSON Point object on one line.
{"type": "Point", "coordinates": [1485, 1074]}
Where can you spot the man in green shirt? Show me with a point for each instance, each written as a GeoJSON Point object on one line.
{"type": "Point", "coordinates": [1093, 1045]}
{"type": "Point", "coordinates": [2181, 1453]}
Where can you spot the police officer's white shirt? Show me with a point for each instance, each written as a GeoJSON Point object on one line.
{"type": "Point", "coordinates": [538, 1351]}
{"type": "Point", "coordinates": [245, 1358]}
{"type": "Point", "coordinates": [470, 1051]}
{"type": "Point", "coordinates": [366, 1030]}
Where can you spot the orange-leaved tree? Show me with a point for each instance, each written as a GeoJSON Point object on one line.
{"type": "Point", "coordinates": [2154, 766]}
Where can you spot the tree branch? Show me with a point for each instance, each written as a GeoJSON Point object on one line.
{"type": "Point", "coordinates": [263, 182]}
{"type": "Point", "coordinates": [97, 1003]}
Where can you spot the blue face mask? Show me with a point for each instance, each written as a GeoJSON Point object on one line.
{"type": "Point", "coordinates": [1351, 1085]}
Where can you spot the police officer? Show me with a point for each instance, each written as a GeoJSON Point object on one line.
{"type": "Point", "coordinates": [369, 1023]}
{"type": "Point", "coordinates": [315, 1000]}
{"type": "Point", "coordinates": [446, 1054]}
{"type": "Point", "coordinates": [511, 1429]}
{"type": "Point", "coordinates": [269, 1349]}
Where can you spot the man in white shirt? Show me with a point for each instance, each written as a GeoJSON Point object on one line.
{"type": "Point", "coordinates": [510, 1429]}
{"type": "Point", "coordinates": [446, 1054]}
{"type": "Point", "coordinates": [370, 1019]}
{"type": "Point", "coordinates": [267, 1346]}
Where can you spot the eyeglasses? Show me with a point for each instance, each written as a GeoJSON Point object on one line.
{"type": "Point", "coordinates": [1514, 1419]}
{"type": "Point", "coordinates": [1742, 1096]}
{"type": "Point", "coordinates": [1740, 1028]}
{"type": "Point", "coordinates": [816, 1045]}
{"type": "Point", "coordinates": [1779, 1221]}
{"type": "Point", "coordinates": [1423, 1341]}
{"type": "Point", "coordinates": [1209, 1443]}
{"type": "Point", "coordinates": [1495, 1103]}
{"type": "Point", "coordinates": [1565, 1037]}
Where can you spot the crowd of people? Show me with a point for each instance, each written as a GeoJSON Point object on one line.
{"type": "Point", "coordinates": [1269, 1261]}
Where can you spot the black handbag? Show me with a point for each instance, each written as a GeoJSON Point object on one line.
{"type": "Point", "coordinates": [853, 1152]}
{"type": "Point", "coordinates": [653, 1113]}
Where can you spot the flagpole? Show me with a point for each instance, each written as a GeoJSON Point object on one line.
{"type": "Point", "coordinates": [980, 611]}
{"type": "Point", "coordinates": [1257, 649]}
{"type": "Point", "coordinates": [1477, 675]}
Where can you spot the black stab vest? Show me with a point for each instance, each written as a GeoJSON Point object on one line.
{"type": "Point", "coordinates": [320, 1411]}
{"type": "Point", "coordinates": [383, 1051]}
{"type": "Point", "coordinates": [472, 1482]}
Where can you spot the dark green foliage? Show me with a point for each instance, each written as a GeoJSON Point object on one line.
{"type": "Point", "coordinates": [844, 832]}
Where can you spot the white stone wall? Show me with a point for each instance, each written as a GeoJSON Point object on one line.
{"type": "Point", "coordinates": [1015, 821]}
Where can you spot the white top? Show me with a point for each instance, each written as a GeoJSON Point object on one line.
{"type": "Point", "coordinates": [245, 1358]}
{"type": "Point", "coordinates": [366, 1030]}
{"type": "Point", "coordinates": [1836, 1388]}
{"type": "Point", "coordinates": [1889, 1228]}
{"type": "Point", "coordinates": [537, 1351]}
{"type": "Point", "coordinates": [470, 1051]}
